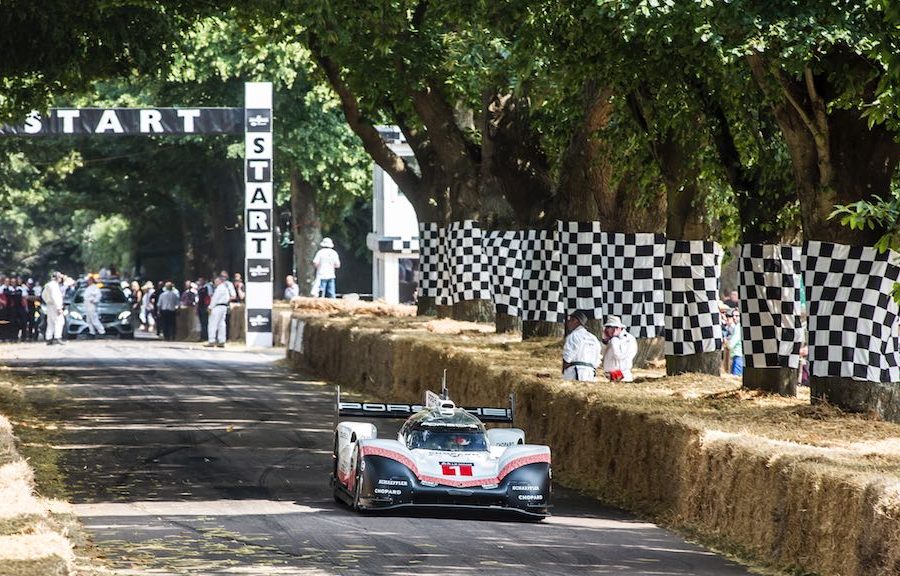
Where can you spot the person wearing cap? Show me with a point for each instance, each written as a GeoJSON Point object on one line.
{"type": "Point", "coordinates": [581, 351]}
{"type": "Point", "coordinates": [53, 308]}
{"type": "Point", "coordinates": [218, 306]}
{"type": "Point", "coordinates": [91, 297]}
{"type": "Point", "coordinates": [148, 322]}
{"type": "Point", "coordinates": [619, 350]}
{"type": "Point", "coordinates": [326, 262]}
{"type": "Point", "coordinates": [168, 303]}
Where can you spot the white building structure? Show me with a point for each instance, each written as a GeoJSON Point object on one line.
{"type": "Point", "coordinates": [394, 242]}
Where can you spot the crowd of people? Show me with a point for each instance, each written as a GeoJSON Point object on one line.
{"type": "Point", "coordinates": [19, 309]}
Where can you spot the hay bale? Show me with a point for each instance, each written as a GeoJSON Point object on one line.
{"type": "Point", "coordinates": [350, 307]}
{"type": "Point", "coordinates": [44, 553]}
{"type": "Point", "coordinates": [8, 451]}
{"type": "Point", "coordinates": [19, 509]}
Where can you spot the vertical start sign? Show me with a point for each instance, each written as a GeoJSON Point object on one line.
{"type": "Point", "coordinates": [259, 202]}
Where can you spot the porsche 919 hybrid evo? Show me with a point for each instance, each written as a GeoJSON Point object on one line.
{"type": "Point", "coordinates": [443, 457]}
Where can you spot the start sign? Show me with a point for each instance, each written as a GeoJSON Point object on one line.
{"type": "Point", "coordinates": [259, 205]}
{"type": "Point", "coordinates": [254, 120]}
{"type": "Point", "coordinates": [171, 121]}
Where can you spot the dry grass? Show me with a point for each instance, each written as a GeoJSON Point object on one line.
{"type": "Point", "coordinates": [33, 529]}
{"type": "Point", "coordinates": [349, 307]}
{"type": "Point", "coordinates": [795, 486]}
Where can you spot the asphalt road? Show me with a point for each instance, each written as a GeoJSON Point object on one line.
{"type": "Point", "coordinates": [185, 460]}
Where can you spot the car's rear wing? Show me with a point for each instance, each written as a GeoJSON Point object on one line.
{"type": "Point", "coordinates": [397, 410]}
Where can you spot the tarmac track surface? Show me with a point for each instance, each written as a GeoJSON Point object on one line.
{"type": "Point", "coordinates": [185, 460]}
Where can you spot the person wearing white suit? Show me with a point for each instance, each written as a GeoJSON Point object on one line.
{"type": "Point", "coordinates": [53, 308]}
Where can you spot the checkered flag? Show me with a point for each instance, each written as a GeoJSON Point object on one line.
{"type": "Point", "coordinates": [769, 288]}
{"type": "Point", "coordinates": [503, 251]}
{"type": "Point", "coordinates": [582, 271]}
{"type": "Point", "coordinates": [469, 279]}
{"type": "Point", "coordinates": [691, 281]}
{"type": "Point", "coordinates": [428, 275]}
{"type": "Point", "coordinates": [632, 267]}
{"type": "Point", "coordinates": [542, 277]}
{"type": "Point", "coordinates": [852, 317]}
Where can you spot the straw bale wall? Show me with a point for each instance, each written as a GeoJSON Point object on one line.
{"type": "Point", "coordinates": [31, 542]}
{"type": "Point", "coordinates": [777, 503]}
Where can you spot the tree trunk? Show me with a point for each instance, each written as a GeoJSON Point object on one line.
{"type": "Point", "coordinates": [506, 324]}
{"type": "Point", "coordinates": [782, 381]}
{"type": "Point", "coordinates": [684, 221]}
{"type": "Point", "coordinates": [875, 398]}
{"type": "Point", "coordinates": [426, 306]}
{"type": "Point", "coordinates": [837, 158]}
{"type": "Point", "coordinates": [541, 329]}
{"type": "Point", "coordinates": [473, 311]}
{"type": "Point", "coordinates": [190, 264]}
{"type": "Point", "coordinates": [648, 350]}
{"type": "Point", "coordinates": [307, 229]}
{"type": "Point", "coordinates": [702, 363]}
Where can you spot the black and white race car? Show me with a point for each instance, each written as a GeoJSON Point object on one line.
{"type": "Point", "coordinates": [443, 457]}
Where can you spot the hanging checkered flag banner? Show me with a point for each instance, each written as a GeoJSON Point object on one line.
{"type": "Point", "coordinates": [691, 281]}
{"type": "Point", "coordinates": [429, 272]}
{"type": "Point", "coordinates": [503, 251]}
{"type": "Point", "coordinates": [541, 277]}
{"type": "Point", "coordinates": [769, 286]}
{"type": "Point", "coordinates": [852, 317]}
{"type": "Point", "coordinates": [580, 248]}
{"type": "Point", "coordinates": [469, 275]}
{"type": "Point", "coordinates": [632, 267]}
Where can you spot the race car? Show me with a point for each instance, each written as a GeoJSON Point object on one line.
{"type": "Point", "coordinates": [443, 457]}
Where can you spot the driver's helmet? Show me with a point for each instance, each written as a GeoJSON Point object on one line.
{"type": "Point", "coordinates": [458, 441]}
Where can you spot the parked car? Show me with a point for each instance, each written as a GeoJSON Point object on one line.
{"type": "Point", "coordinates": [114, 310]}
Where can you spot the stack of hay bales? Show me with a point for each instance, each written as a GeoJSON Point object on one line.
{"type": "Point", "coordinates": [30, 541]}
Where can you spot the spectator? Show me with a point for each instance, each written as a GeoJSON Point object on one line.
{"type": "Point", "coordinates": [239, 289]}
{"type": "Point", "coordinates": [291, 291]}
{"type": "Point", "coordinates": [168, 304]}
{"type": "Point", "coordinates": [232, 297]}
{"type": "Point", "coordinates": [581, 351]}
{"type": "Point", "coordinates": [33, 296]}
{"type": "Point", "coordinates": [218, 309]}
{"type": "Point", "coordinates": [148, 321]}
{"type": "Point", "coordinates": [735, 343]}
{"type": "Point", "coordinates": [154, 301]}
{"type": "Point", "coordinates": [204, 294]}
{"type": "Point", "coordinates": [189, 295]}
{"type": "Point", "coordinates": [732, 300]}
{"type": "Point", "coordinates": [327, 263]}
{"type": "Point", "coordinates": [619, 350]}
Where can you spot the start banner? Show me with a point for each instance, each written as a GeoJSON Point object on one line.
{"type": "Point", "coordinates": [143, 121]}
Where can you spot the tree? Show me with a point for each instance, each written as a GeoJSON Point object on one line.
{"type": "Point", "coordinates": [58, 47]}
